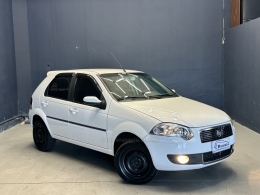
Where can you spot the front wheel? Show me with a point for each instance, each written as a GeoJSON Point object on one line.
{"type": "Point", "coordinates": [134, 164]}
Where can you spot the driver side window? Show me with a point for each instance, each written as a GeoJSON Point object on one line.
{"type": "Point", "coordinates": [85, 87]}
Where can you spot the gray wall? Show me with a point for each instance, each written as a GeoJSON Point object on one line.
{"type": "Point", "coordinates": [22, 51]}
{"type": "Point", "coordinates": [251, 10]}
{"type": "Point", "coordinates": [242, 70]}
{"type": "Point", "coordinates": [177, 41]}
{"type": "Point", "coordinates": [8, 94]}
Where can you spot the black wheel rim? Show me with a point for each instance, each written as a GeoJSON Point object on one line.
{"type": "Point", "coordinates": [40, 136]}
{"type": "Point", "coordinates": [135, 163]}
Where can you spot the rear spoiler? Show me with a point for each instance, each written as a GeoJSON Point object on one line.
{"type": "Point", "coordinates": [59, 71]}
{"type": "Point", "coordinates": [51, 72]}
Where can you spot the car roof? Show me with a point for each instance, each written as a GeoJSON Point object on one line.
{"type": "Point", "coordinates": [95, 71]}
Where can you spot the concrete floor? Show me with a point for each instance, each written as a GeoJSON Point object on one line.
{"type": "Point", "coordinates": [71, 169]}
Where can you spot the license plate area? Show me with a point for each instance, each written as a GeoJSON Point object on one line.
{"type": "Point", "coordinates": [220, 145]}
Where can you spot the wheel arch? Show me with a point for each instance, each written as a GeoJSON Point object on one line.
{"type": "Point", "coordinates": [38, 114]}
{"type": "Point", "coordinates": [121, 134]}
{"type": "Point", "coordinates": [124, 137]}
{"type": "Point", "coordinates": [36, 118]}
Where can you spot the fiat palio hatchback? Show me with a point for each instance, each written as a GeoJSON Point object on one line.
{"type": "Point", "coordinates": [129, 114]}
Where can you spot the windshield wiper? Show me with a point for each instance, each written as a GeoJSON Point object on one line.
{"type": "Point", "coordinates": [161, 95]}
{"type": "Point", "coordinates": [131, 97]}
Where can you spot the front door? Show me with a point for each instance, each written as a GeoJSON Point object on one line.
{"type": "Point", "coordinates": [87, 124]}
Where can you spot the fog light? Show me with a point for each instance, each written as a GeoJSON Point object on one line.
{"type": "Point", "coordinates": [183, 159]}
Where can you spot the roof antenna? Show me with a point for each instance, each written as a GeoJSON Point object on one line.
{"type": "Point", "coordinates": [118, 62]}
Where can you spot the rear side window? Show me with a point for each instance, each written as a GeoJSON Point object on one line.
{"type": "Point", "coordinates": [59, 87]}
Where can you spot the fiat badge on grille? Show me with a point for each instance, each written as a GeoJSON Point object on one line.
{"type": "Point", "coordinates": [220, 132]}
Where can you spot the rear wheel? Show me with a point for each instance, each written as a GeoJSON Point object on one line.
{"type": "Point", "coordinates": [134, 164]}
{"type": "Point", "coordinates": [42, 138]}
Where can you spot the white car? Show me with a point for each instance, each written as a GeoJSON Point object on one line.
{"type": "Point", "coordinates": [132, 116]}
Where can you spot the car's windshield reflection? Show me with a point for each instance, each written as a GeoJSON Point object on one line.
{"type": "Point", "coordinates": [135, 86]}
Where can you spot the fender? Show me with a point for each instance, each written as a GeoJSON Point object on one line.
{"type": "Point", "coordinates": [40, 113]}
{"type": "Point", "coordinates": [139, 125]}
{"type": "Point", "coordinates": [123, 127]}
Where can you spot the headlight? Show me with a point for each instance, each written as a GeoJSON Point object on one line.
{"type": "Point", "coordinates": [172, 130]}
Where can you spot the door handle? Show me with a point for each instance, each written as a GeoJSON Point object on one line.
{"type": "Point", "coordinates": [73, 110]}
{"type": "Point", "coordinates": [45, 104]}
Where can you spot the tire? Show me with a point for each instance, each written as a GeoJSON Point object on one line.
{"type": "Point", "coordinates": [134, 163]}
{"type": "Point", "coordinates": [42, 138]}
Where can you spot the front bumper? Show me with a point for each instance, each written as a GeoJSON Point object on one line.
{"type": "Point", "coordinates": [203, 158]}
{"type": "Point", "coordinates": [164, 151]}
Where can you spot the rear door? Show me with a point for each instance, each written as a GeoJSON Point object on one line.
{"type": "Point", "coordinates": [54, 103]}
{"type": "Point", "coordinates": [87, 124]}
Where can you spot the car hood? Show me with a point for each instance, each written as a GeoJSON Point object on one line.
{"type": "Point", "coordinates": [180, 110]}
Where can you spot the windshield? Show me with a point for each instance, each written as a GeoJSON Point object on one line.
{"type": "Point", "coordinates": [135, 86]}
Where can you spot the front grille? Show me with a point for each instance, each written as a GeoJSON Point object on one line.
{"type": "Point", "coordinates": [216, 133]}
{"type": "Point", "coordinates": [210, 157]}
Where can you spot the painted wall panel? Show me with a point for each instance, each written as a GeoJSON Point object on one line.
{"type": "Point", "coordinates": [242, 70]}
{"type": "Point", "coordinates": [8, 94]}
{"type": "Point", "coordinates": [179, 42]}
{"type": "Point", "coordinates": [22, 55]}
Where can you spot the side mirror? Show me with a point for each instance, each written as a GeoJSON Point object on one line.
{"type": "Point", "coordinates": [173, 90]}
{"type": "Point", "coordinates": [94, 101]}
